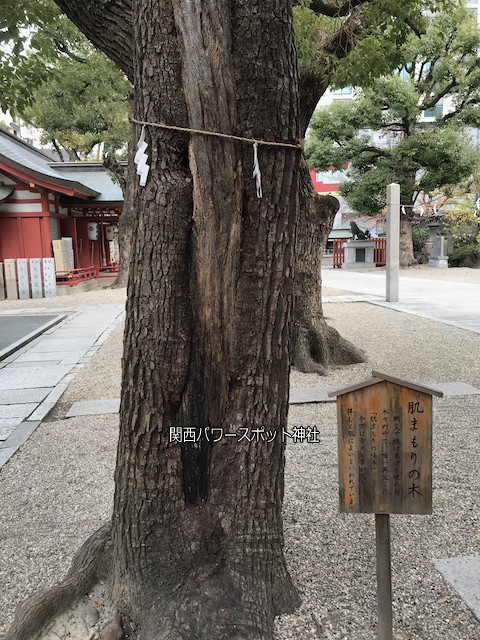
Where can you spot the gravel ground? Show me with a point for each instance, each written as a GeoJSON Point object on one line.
{"type": "Point", "coordinates": [58, 488]}
{"type": "Point", "coordinates": [87, 298]}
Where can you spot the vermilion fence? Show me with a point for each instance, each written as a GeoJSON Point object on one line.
{"type": "Point", "coordinates": [72, 277]}
{"type": "Point", "coordinates": [108, 270]}
{"type": "Point", "coordinates": [379, 252]}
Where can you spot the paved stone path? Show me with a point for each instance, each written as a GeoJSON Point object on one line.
{"type": "Point", "coordinates": [15, 328]}
{"type": "Point", "coordinates": [33, 379]}
{"type": "Point", "coordinates": [453, 303]}
{"type": "Point", "coordinates": [463, 574]}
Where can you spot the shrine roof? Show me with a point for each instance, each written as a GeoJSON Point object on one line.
{"type": "Point", "coordinates": [377, 377]}
{"type": "Point", "coordinates": [31, 164]}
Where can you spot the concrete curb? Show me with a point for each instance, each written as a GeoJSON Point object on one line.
{"type": "Point", "coordinates": [4, 353]}
{"type": "Point", "coordinates": [29, 424]}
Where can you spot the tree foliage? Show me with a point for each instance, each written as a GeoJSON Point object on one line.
{"type": "Point", "coordinates": [421, 157]}
{"type": "Point", "coordinates": [19, 75]}
{"type": "Point", "coordinates": [357, 45]}
{"type": "Point", "coordinates": [54, 79]}
{"type": "Point", "coordinates": [462, 224]}
{"type": "Point", "coordinates": [83, 104]}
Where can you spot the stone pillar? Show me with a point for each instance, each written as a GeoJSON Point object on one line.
{"type": "Point", "coordinates": [23, 281]}
{"type": "Point", "coordinates": [2, 283]}
{"type": "Point", "coordinates": [49, 278]}
{"type": "Point", "coordinates": [11, 279]}
{"type": "Point", "coordinates": [359, 254]}
{"type": "Point", "coordinates": [439, 258]}
{"type": "Point", "coordinates": [36, 278]}
{"type": "Point", "coordinates": [393, 241]}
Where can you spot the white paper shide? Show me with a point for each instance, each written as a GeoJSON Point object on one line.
{"type": "Point", "coordinates": [141, 158]}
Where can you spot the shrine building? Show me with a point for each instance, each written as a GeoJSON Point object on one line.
{"type": "Point", "coordinates": [42, 201]}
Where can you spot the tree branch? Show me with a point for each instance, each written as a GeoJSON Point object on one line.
{"type": "Point", "coordinates": [63, 48]}
{"type": "Point", "coordinates": [108, 25]}
{"type": "Point", "coordinates": [376, 151]}
{"type": "Point", "coordinates": [447, 89]}
{"type": "Point", "coordinates": [111, 163]}
{"type": "Point", "coordinates": [313, 84]}
{"type": "Point", "coordinates": [458, 110]}
{"type": "Point", "coordinates": [343, 40]}
{"type": "Point", "coordinates": [423, 84]}
{"type": "Point", "coordinates": [435, 99]}
{"type": "Point", "coordinates": [332, 11]}
{"type": "Point", "coordinates": [418, 32]}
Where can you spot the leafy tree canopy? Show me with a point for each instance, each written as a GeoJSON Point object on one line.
{"type": "Point", "coordinates": [19, 19]}
{"type": "Point", "coordinates": [421, 157]}
{"type": "Point", "coordinates": [55, 80]}
{"type": "Point", "coordinates": [83, 104]}
{"type": "Point", "coordinates": [359, 43]}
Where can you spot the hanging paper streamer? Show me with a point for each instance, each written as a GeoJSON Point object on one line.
{"type": "Point", "coordinates": [141, 158]}
{"type": "Point", "coordinates": [256, 171]}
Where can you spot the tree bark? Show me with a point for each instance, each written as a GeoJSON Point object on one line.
{"type": "Point", "coordinates": [197, 526]}
{"type": "Point", "coordinates": [196, 532]}
{"type": "Point", "coordinates": [407, 258]}
{"type": "Point", "coordinates": [108, 26]}
{"type": "Point", "coordinates": [197, 540]}
{"type": "Point", "coordinates": [315, 345]}
{"type": "Point", "coordinates": [112, 33]}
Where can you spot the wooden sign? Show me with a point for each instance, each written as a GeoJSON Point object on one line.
{"type": "Point", "coordinates": [385, 446]}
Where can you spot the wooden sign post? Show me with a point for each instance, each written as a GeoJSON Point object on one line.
{"type": "Point", "coordinates": [385, 462]}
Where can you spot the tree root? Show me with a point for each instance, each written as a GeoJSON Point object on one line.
{"type": "Point", "coordinates": [317, 346]}
{"type": "Point", "coordinates": [340, 351]}
{"type": "Point", "coordinates": [89, 565]}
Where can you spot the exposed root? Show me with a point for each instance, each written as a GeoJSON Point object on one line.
{"type": "Point", "coordinates": [89, 565]}
{"type": "Point", "coordinates": [340, 351]}
{"type": "Point", "coordinates": [121, 280]}
{"type": "Point", "coordinates": [112, 631]}
{"type": "Point", "coordinates": [317, 346]}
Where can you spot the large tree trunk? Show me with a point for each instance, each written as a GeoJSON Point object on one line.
{"type": "Point", "coordinates": [315, 345]}
{"type": "Point", "coordinates": [207, 327]}
{"type": "Point", "coordinates": [197, 542]}
{"type": "Point", "coordinates": [407, 258]}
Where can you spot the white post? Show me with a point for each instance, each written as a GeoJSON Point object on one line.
{"type": "Point", "coordinates": [393, 241]}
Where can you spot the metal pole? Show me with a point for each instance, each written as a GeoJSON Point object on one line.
{"type": "Point", "coordinates": [393, 241]}
{"type": "Point", "coordinates": [384, 576]}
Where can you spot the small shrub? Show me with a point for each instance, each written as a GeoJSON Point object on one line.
{"type": "Point", "coordinates": [467, 255]}
{"type": "Point", "coordinates": [420, 237]}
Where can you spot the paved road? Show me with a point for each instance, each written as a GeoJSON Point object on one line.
{"type": "Point", "coordinates": [33, 378]}
{"type": "Point", "coordinates": [454, 303]}
{"type": "Point", "coordinates": [13, 328]}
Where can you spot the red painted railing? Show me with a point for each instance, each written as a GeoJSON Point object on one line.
{"type": "Point", "coordinates": [108, 269]}
{"type": "Point", "coordinates": [72, 277]}
{"type": "Point", "coordinates": [338, 253]}
{"type": "Point", "coordinates": [379, 252]}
